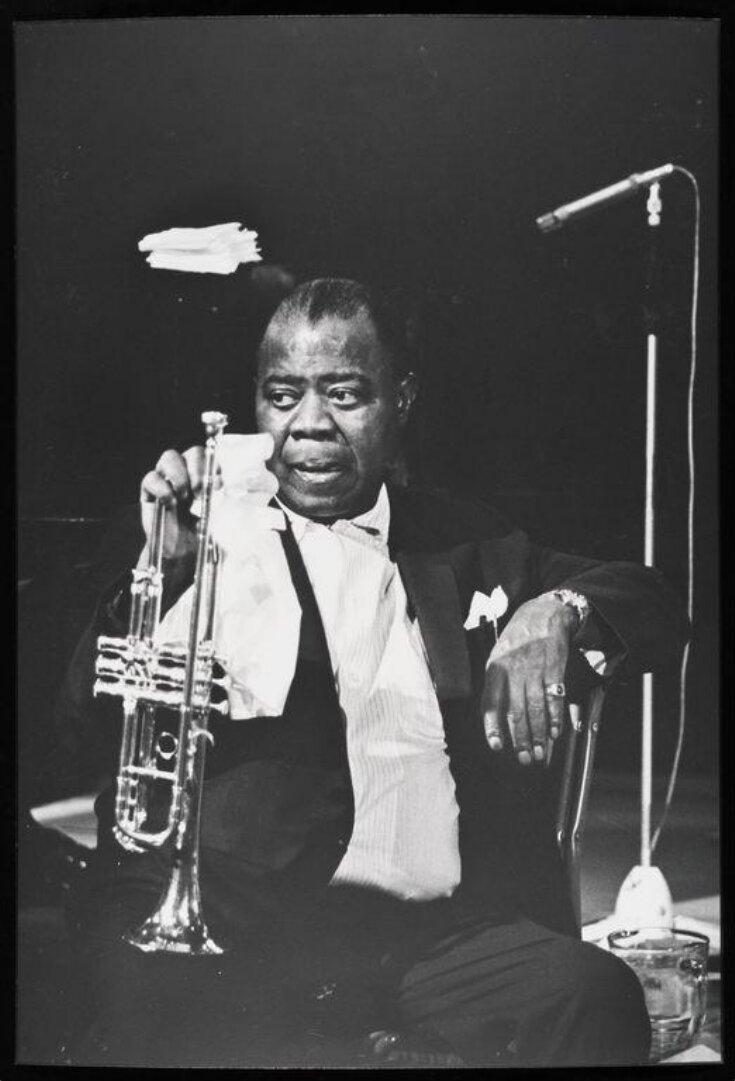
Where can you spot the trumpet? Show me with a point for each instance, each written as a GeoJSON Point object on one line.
{"type": "Point", "coordinates": [153, 678]}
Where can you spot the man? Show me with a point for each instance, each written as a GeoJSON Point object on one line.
{"type": "Point", "coordinates": [378, 858]}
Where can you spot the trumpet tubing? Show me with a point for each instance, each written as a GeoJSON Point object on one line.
{"type": "Point", "coordinates": [160, 772]}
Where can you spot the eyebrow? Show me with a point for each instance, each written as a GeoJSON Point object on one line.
{"type": "Point", "coordinates": [327, 377]}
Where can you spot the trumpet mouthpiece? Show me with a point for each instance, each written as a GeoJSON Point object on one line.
{"type": "Point", "coordinates": [214, 422]}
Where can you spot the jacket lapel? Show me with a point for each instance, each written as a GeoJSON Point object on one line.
{"type": "Point", "coordinates": [503, 561]}
{"type": "Point", "coordinates": [433, 595]}
{"type": "Point", "coordinates": [432, 591]}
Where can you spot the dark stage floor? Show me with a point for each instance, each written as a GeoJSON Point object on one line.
{"type": "Point", "coordinates": [687, 852]}
{"type": "Point", "coordinates": [687, 855]}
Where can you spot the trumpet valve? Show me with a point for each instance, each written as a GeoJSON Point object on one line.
{"type": "Point", "coordinates": [155, 673]}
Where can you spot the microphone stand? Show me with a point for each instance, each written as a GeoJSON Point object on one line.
{"type": "Point", "coordinates": [644, 897]}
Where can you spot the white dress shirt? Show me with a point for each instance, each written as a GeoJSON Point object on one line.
{"type": "Point", "coordinates": [404, 838]}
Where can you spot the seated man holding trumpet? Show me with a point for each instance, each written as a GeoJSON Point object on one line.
{"type": "Point", "coordinates": [376, 855]}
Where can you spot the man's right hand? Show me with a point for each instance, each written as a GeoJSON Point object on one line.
{"type": "Point", "coordinates": [176, 480]}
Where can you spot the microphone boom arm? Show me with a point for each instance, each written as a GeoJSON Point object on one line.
{"type": "Point", "coordinates": [556, 218]}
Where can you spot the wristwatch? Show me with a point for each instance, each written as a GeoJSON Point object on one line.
{"type": "Point", "coordinates": [577, 601]}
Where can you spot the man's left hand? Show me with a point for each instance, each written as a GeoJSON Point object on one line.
{"type": "Point", "coordinates": [526, 666]}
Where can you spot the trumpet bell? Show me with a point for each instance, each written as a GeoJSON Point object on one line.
{"type": "Point", "coordinates": [177, 925]}
{"type": "Point", "coordinates": [152, 938]}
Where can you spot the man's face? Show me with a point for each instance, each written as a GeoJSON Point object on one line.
{"type": "Point", "coordinates": [329, 399]}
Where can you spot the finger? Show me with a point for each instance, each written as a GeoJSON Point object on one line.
{"type": "Point", "coordinates": [557, 651]}
{"type": "Point", "coordinates": [153, 486]}
{"type": "Point", "coordinates": [554, 709]}
{"type": "Point", "coordinates": [537, 718]}
{"type": "Point", "coordinates": [193, 459]}
{"type": "Point", "coordinates": [494, 698]}
{"type": "Point", "coordinates": [517, 719]}
{"type": "Point", "coordinates": [172, 467]}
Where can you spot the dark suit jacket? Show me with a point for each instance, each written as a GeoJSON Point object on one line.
{"type": "Point", "coordinates": [447, 549]}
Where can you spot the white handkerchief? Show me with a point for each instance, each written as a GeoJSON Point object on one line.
{"type": "Point", "coordinates": [258, 616]}
{"type": "Point", "coordinates": [245, 477]}
{"type": "Point", "coordinates": [489, 608]}
{"type": "Point", "coordinates": [257, 619]}
{"type": "Point", "coordinates": [257, 627]}
{"type": "Point", "coordinates": [236, 524]}
{"type": "Point", "coordinates": [242, 458]}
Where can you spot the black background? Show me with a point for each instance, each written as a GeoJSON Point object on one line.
{"type": "Point", "coordinates": [416, 151]}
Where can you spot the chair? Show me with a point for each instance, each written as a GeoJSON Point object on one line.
{"type": "Point", "coordinates": [574, 793]}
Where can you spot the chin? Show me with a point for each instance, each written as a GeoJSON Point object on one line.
{"type": "Point", "coordinates": [317, 506]}
{"type": "Point", "coordinates": [322, 504]}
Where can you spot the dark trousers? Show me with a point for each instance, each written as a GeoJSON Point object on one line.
{"type": "Point", "coordinates": [307, 984]}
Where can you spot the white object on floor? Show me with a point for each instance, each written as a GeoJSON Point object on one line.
{"type": "Point", "coordinates": [644, 899]}
{"type": "Point", "coordinates": [699, 1053]}
{"type": "Point", "coordinates": [73, 817]}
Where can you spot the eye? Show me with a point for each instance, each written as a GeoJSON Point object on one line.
{"type": "Point", "coordinates": [345, 396]}
{"type": "Point", "coordinates": [282, 398]}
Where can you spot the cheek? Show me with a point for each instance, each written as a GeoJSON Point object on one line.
{"type": "Point", "coordinates": [375, 444]}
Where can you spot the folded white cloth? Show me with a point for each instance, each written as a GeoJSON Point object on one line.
{"type": "Point", "coordinates": [196, 262]}
{"type": "Point", "coordinates": [258, 616]}
{"type": "Point", "coordinates": [211, 238]}
{"type": "Point", "coordinates": [214, 249]}
{"type": "Point", "coordinates": [241, 466]}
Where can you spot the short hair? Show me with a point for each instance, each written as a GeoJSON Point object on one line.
{"type": "Point", "coordinates": [345, 298]}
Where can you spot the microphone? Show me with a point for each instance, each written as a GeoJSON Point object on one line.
{"type": "Point", "coordinates": [556, 218]}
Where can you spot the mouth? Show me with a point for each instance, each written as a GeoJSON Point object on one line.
{"type": "Point", "coordinates": [318, 465]}
{"type": "Point", "coordinates": [316, 472]}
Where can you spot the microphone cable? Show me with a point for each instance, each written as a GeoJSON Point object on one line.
{"type": "Point", "coordinates": [690, 504]}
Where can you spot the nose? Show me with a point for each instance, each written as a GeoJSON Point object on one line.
{"type": "Point", "coordinates": [312, 419]}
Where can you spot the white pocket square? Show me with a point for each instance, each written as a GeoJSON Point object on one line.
{"type": "Point", "coordinates": [486, 609]}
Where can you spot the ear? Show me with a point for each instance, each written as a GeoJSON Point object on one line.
{"type": "Point", "coordinates": [406, 392]}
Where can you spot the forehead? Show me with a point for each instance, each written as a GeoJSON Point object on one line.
{"type": "Point", "coordinates": [297, 343]}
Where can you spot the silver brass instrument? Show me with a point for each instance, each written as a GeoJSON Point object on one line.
{"type": "Point", "coordinates": [155, 678]}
